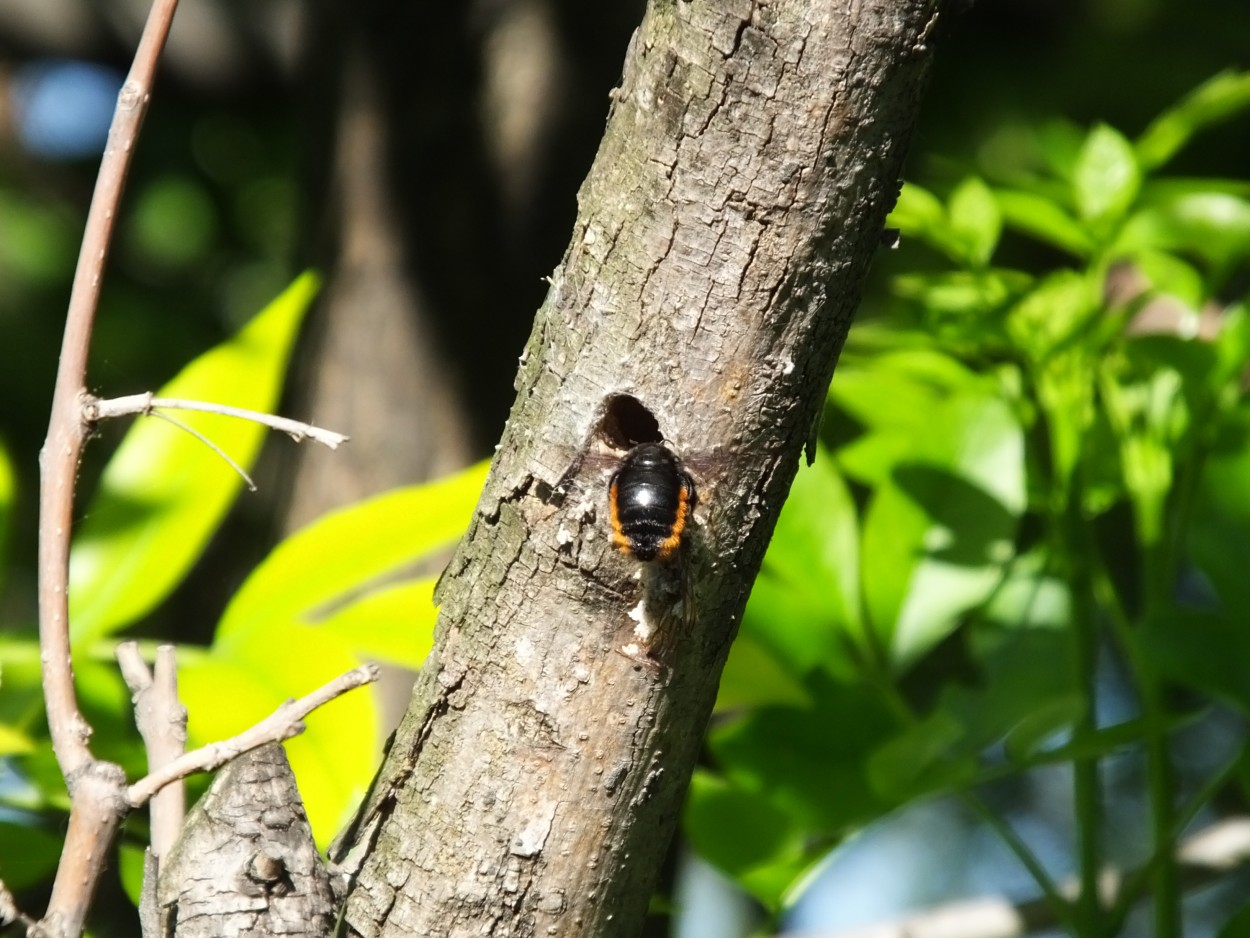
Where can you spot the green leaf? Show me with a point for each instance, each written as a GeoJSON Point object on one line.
{"type": "Point", "coordinates": [892, 395]}
{"type": "Point", "coordinates": [130, 859]}
{"type": "Point", "coordinates": [1214, 226]}
{"type": "Point", "coordinates": [394, 624]}
{"type": "Point", "coordinates": [8, 487]}
{"type": "Point", "coordinates": [893, 390]}
{"type": "Point", "coordinates": [753, 677]}
{"type": "Point", "coordinates": [1106, 178]}
{"type": "Point", "coordinates": [810, 761]}
{"type": "Point", "coordinates": [1043, 219]}
{"type": "Point", "coordinates": [21, 684]}
{"type": "Point", "coordinates": [1205, 650]}
{"type": "Point", "coordinates": [1052, 313]}
{"type": "Point", "coordinates": [1152, 396]}
{"type": "Point", "coordinates": [744, 835]}
{"type": "Point", "coordinates": [938, 530]}
{"type": "Point", "coordinates": [918, 212]}
{"type": "Point", "coordinates": [338, 559]}
{"type": "Point", "coordinates": [28, 854]}
{"type": "Point", "coordinates": [1168, 275]}
{"type": "Point", "coordinates": [164, 493]}
{"type": "Point", "coordinates": [961, 293]}
{"type": "Point", "coordinates": [806, 599]}
{"type": "Point", "coordinates": [1217, 99]}
{"type": "Point", "coordinates": [1221, 518]}
{"type": "Point", "coordinates": [247, 675]}
{"type": "Point", "coordinates": [1027, 688]}
{"type": "Point", "coordinates": [1060, 143]}
{"type": "Point", "coordinates": [975, 221]}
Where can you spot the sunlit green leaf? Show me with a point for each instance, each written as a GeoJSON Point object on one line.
{"type": "Point", "coordinates": [753, 677]}
{"type": "Point", "coordinates": [21, 687]}
{"type": "Point", "coordinates": [164, 492]}
{"type": "Point", "coordinates": [809, 761]}
{"type": "Point", "coordinates": [1107, 177]}
{"type": "Point", "coordinates": [248, 674]}
{"type": "Point", "coordinates": [893, 389]}
{"type": "Point", "coordinates": [805, 606]}
{"type": "Point", "coordinates": [8, 484]}
{"type": "Point", "coordinates": [1060, 144]}
{"type": "Point", "coordinates": [1042, 218]}
{"type": "Point", "coordinates": [961, 293]}
{"type": "Point", "coordinates": [13, 741]}
{"type": "Point", "coordinates": [393, 624]}
{"type": "Point", "coordinates": [1168, 275]}
{"type": "Point", "coordinates": [1221, 518]}
{"type": "Point", "coordinates": [130, 858]}
{"type": "Point", "coordinates": [938, 530]}
{"type": "Point", "coordinates": [1217, 99]}
{"type": "Point", "coordinates": [338, 558]}
{"type": "Point", "coordinates": [918, 212]}
{"type": "Point", "coordinates": [745, 836]}
{"type": "Point", "coordinates": [1213, 226]}
{"type": "Point", "coordinates": [1052, 313]}
{"type": "Point", "coordinates": [975, 221]}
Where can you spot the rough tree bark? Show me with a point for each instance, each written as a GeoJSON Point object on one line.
{"type": "Point", "coordinates": [725, 229]}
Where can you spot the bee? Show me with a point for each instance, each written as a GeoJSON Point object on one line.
{"type": "Point", "coordinates": [650, 502]}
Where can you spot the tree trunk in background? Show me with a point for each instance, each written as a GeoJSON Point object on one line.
{"type": "Point", "coordinates": [446, 133]}
{"type": "Point", "coordinates": [724, 232]}
{"type": "Point", "coordinates": [452, 137]}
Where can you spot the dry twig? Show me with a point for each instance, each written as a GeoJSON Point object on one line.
{"type": "Point", "coordinates": [147, 404]}
{"type": "Point", "coordinates": [283, 723]}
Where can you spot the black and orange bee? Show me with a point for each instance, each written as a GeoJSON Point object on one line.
{"type": "Point", "coordinates": [650, 502]}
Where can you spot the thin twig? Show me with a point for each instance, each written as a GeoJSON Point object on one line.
{"type": "Point", "coordinates": [247, 479]}
{"type": "Point", "coordinates": [97, 789]}
{"type": "Point", "coordinates": [147, 404]}
{"type": "Point", "coordinates": [67, 428]}
{"type": "Point", "coordinates": [284, 723]}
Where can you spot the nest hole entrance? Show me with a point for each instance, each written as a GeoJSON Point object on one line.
{"type": "Point", "coordinates": [627, 422]}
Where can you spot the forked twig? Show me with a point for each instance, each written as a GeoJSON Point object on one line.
{"type": "Point", "coordinates": [283, 723]}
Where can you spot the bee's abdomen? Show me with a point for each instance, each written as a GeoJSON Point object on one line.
{"type": "Point", "coordinates": [650, 500]}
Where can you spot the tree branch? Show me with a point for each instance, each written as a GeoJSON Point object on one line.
{"type": "Point", "coordinates": [162, 722]}
{"type": "Point", "coordinates": [283, 723]}
{"type": "Point", "coordinates": [147, 403]}
{"type": "Point", "coordinates": [97, 789]}
{"type": "Point", "coordinates": [724, 232]}
{"type": "Point", "coordinates": [67, 427]}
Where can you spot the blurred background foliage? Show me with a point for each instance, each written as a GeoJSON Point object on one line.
{"type": "Point", "coordinates": [1007, 596]}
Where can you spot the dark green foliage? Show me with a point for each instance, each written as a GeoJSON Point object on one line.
{"type": "Point", "coordinates": [1021, 461]}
